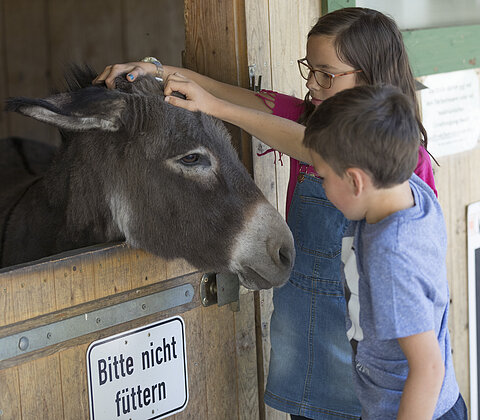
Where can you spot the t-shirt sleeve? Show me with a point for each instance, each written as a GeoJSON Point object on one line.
{"type": "Point", "coordinates": [400, 301]}
{"type": "Point", "coordinates": [424, 169]}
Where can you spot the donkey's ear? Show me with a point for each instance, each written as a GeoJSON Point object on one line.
{"type": "Point", "coordinates": [87, 109]}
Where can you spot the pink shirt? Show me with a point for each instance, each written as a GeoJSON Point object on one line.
{"type": "Point", "coordinates": [291, 108]}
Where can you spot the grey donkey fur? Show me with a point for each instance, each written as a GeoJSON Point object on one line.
{"type": "Point", "coordinates": [132, 167]}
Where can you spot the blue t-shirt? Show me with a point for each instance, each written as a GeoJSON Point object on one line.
{"type": "Point", "coordinates": [396, 286]}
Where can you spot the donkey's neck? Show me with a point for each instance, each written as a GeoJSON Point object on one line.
{"type": "Point", "coordinates": [83, 199]}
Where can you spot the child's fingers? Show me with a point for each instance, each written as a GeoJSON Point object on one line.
{"type": "Point", "coordinates": [182, 103]}
{"type": "Point", "coordinates": [176, 82]}
{"type": "Point", "coordinates": [111, 72]}
{"type": "Point", "coordinates": [102, 76]}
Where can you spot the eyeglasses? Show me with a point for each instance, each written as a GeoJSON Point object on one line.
{"type": "Point", "coordinates": [323, 78]}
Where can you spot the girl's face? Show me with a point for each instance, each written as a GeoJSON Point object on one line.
{"type": "Point", "coordinates": [321, 55]}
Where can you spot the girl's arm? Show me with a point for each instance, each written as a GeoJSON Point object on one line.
{"type": "Point", "coordinates": [283, 135]}
{"type": "Point", "coordinates": [425, 376]}
{"type": "Point", "coordinates": [231, 93]}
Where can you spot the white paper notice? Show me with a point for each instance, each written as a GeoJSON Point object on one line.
{"type": "Point", "coordinates": [451, 111]}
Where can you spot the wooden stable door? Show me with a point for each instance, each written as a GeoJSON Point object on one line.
{"type": "Point", "coordinates": [51, 382]}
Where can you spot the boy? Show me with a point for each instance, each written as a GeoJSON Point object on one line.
{"type": "Point", "coordinates": [364, 144]}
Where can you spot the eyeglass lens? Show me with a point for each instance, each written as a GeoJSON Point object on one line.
{"type": "Point", "coordinates": [323, 79]}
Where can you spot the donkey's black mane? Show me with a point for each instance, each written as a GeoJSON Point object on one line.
{"type": "Point", "coordinates": [79, 77]}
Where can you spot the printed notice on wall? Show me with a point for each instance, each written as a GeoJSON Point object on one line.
{"type": "Point", "coordinates": [451, 111]}
{"type": "Point", "coordinates": [140, 374]}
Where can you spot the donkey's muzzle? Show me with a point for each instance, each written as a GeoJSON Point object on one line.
{"type": "Point", "coordinates": [264, 252]}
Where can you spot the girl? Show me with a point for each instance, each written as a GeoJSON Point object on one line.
{"type": "Point", "coordinates": [310, 364]}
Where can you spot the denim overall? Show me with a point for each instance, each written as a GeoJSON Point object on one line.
{"type": "Point", "coordinates": [310, 371]}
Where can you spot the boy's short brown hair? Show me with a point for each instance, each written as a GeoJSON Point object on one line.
{"type": "Point", "coordinates": [373, 128]}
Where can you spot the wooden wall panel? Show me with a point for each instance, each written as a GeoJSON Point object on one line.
{"type": "Point", "coordinates": [223, 57]}
{"type": "Point", "coordinates": [221, 353]}
{"type": "Point", "coordinates": [40, 389]}
{"type": "Point", "coordinates": [3, 70]}
{"type": "Point", "coordinates": [10, 394]}
{"type": "Point", "coordinates": [84, 32]}
{"type": "Point", "coordinates": [39, 39]}
{"type": "Point", "coordinates": [154, 28]}
{"type": "Point", "coordinates": [458, 186]}
{"type": "Point", "coordinates": [26, 62]}
{"type": "Point", "coordinates": [276, 36]}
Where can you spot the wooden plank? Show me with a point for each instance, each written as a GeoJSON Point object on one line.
{"type": "Point", "coordinates": [33, 292]}
{"type": "Point", "coordinates": [3, 70]}
{"type": "Point", "coordinates": [245, 338]}
{"type": "Point", "coordinates": [40, 389]}
{"type": "Point", "coordinates": [27, 63]}
{"type": "Point", "coordinates": [111, 274]}
{"type": "Point", "coordinates": [197, 370]}
{"type": "Point", "coordinates": [72, 284]}
{"type": "Point", "coordinates": [84, 32]}
{"type": "Point", "coordinates": [73, 369]}
{"type": "Point", "coordinates": [264, 172]}
{"type": "Point", "coordinates": [441, 50]}
{"type": "Point", "coordinates": [154, 28]}
{"type": "Point", "coordinates": [456, 180]}
{"type": "Point", "coordinates": [266, 28]}
{"type": "Point", "coordinates": [9, 394]}
{"type": "Point", "coordinates": [221, 392]}
{"type": "Point", "coordinates": [223, 58]}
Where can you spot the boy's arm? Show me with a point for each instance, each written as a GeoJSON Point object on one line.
{"type": "Point", "coordinates": [425, 376]}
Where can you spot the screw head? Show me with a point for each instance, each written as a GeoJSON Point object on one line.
{"type": "Point", "coordinates": [23, 343]}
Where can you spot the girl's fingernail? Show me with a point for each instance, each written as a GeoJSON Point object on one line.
{"type": "Point", "coordinates": [130, 76]}
{"type": "Point", "coordinates": [167, 98]}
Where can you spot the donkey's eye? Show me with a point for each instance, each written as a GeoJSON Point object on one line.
{"type": "Point", "coordinates": [190, 159]}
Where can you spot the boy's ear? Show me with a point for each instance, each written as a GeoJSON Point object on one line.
{"type": "Point", "coordinates": [357, 180]}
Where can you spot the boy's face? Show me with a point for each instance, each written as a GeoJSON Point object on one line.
{"type": "Point", "coordinates": [341, 191]}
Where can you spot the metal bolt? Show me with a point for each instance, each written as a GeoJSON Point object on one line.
{"type": "Point", "coordinates": [49, 335]}
{"type": "Point", "coordinates": [144, 306]}
{"type": "Point", "coordinates": [205, 301]}
{"type": "Point", "coordinates": [23, 343]}
{"type": "Point", "coordinates": [187, 293]}
{"type": "Point", "coordinates": [98, 320]}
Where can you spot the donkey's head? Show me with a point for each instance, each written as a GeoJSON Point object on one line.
{"type": "Point", "coordinates": [168, 180]}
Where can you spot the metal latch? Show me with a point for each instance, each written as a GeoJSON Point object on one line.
{"type": "Point", "coordinates": [251, 79]}
{"type": "Point", "coordinates": [220, 288]}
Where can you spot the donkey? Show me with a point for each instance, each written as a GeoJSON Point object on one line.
{"type": "Point", "coordinates": [134, 168]}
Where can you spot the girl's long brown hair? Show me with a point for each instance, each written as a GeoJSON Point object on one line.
{"type": "Point", "coordinates": [368, 40]}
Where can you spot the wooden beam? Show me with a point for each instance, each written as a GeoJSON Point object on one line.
{"type": "Point", "coordinates": [215, 45]}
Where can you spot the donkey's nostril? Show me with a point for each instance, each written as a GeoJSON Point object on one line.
{"type": "Point", "coordinates": [285, 256]}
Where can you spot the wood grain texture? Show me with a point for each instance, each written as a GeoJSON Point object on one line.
{"type": "Point", "coordinates": [221, 352]}
{"type": "Point", "coordinates": [41, 39]}
{"type": "Point", "coordinates": [276, 36]}
{"type": "Point", "coordinates": [26, 62]}
{"type": "Point", "coordinates": [457, 184]}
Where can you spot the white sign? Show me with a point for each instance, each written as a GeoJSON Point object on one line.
{"type": "Point", "coordinates": [139, 374]}
{"type": "Point", "coordinates": [473, 258]}
{"type": "Point", "coordinates": [451, 111]}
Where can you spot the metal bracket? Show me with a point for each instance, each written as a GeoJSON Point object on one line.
{"type": "Point", "coordinates": [220, 288]}
{"type": "Point", "coordinates": [251, 78]}
{"type": "Point", "coordinates": [67, 329]}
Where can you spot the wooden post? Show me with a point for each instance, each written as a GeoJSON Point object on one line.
{"type": "Point", "coordinates": [215, 45]}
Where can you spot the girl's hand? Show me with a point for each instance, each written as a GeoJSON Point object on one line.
{"type": "Point", "coordinates": [196, 98]}
{"type": "Point", "coordinates": [133, 70]}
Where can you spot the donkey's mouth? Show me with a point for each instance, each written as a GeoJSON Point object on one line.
{"type": "Point", "coordinates": [252, 280]}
